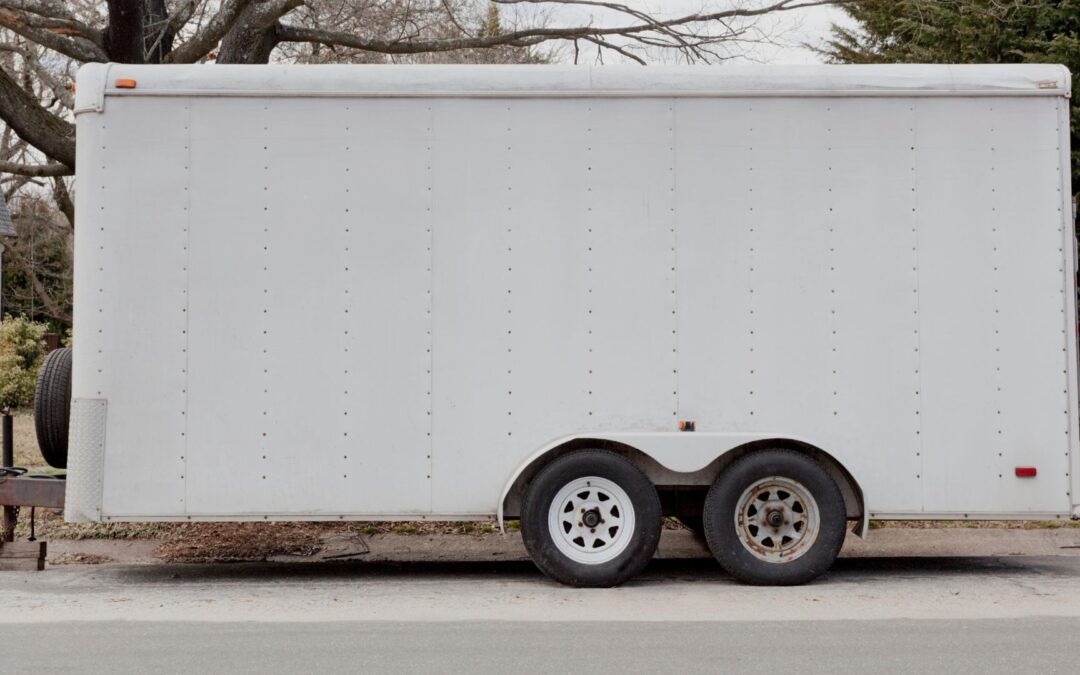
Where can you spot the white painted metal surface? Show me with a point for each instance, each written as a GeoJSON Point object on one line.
{"type": "Point", "coordinates": [592, 542]}
{"type": "Point", "coordinates": [380, 292]}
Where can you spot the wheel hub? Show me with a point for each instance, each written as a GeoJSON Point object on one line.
{"type": "Point", "coordinates": [591, 520]}
{"type": "Point", "coordinates": [777, 519]}
{"type": "Point", "coordinates": [591, 517]}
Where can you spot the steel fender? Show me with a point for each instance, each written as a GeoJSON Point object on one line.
{"type": "Point", "coordinates": [676, 451]}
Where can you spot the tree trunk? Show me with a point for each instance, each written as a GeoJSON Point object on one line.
{"type": "Point", "coordinates": [124, 36]}
{"type": "Point", "coordinates": [158, 40]}
{"type": "Point", "coordinates": [62, 197]}
{"type": "Point", "coordinates": [254, 35]}
{"type": "Point", "coordinates": [34, 124]}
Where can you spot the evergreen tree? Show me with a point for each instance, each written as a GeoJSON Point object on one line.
{"type": "Point", "coordinates": [965, 31]}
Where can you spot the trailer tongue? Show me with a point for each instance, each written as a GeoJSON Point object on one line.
{"type": "Point", "coordinates": [20, 489]}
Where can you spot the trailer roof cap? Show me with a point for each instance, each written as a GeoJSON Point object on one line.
{"type": "Point", "coordinates": [95, 81]}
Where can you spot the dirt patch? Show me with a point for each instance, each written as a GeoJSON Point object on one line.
{"type": "Point", "coordinates": [79, 559]}
{"type": "Point", "coordinates": [431, 527]}
{"type": "Point", "coordinates": [247, 542]}
{"type": "Point", "coordinates": [50, 525]}
{"type": "Point", "coordinates": [240, 542]}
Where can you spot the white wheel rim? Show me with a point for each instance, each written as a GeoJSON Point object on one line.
{"type": "Point", "coordinates": [591, 520]}
{"type": "Point", "coordinates": [777, 519]}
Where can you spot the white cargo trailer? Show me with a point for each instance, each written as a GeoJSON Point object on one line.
{"type": "Point", "coordinates": [766, 300]}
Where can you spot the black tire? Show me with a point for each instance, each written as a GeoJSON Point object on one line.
{"type": "Point", "coordinates": [52, 407]}
{"type": "Point", "coordinates": [726, 538]}
{"type": "Point", "coordinates": [557, 476]}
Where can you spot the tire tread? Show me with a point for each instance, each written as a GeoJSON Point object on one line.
{"type": "Point", "coordinates": [814, 563]}
{"type": "Point", "coordinates": [52, 407]}
{"type": "Point", "coordinates": [631, 562]}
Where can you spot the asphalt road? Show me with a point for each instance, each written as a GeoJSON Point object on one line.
{"type": "Point", "coordinates": [981, 614]}
{"type": "Point", "coordinates": [1037, 645]}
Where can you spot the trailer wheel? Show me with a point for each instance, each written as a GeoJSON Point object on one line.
{"type": "Point", "coordinates": [591, 518]}
{"type": "Point", "coordinates": [52, 407]}
{"type": "Point", "coordinates": [775, 517]}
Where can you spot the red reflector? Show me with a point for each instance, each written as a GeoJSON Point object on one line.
{"type": "Point", "coordinates": [1025, 471]}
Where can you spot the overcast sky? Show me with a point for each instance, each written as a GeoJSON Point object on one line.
{"type": "Point", "coordinates": [791, 28]}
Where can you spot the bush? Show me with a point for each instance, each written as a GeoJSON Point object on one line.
{"type": "Point", "coordinates": [22, 349]}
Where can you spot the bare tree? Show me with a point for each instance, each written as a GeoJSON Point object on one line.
{"type": "Point", "coordinates": [37, 267]}
{"type": "Point", "coordinates": [44, 40]}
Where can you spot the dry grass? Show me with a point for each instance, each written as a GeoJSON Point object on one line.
{"type": "Point", "coordinates": [432, 527]}
{"type": "Point", "coordinates": [50, 525]}
{"type": "Point", "coordinates": [79, 559]}
{"type": "Point", "coordinates": [234, 542]}
{"type": "Point", "coordinates": [26, 448]}
{"type": "Point", "coordinates": [240, 542]}
{"type": "Point", "coordinates": [248, 542]}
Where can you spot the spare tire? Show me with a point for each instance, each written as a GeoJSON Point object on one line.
{"type": "Point", "coordinates": [52, 407]}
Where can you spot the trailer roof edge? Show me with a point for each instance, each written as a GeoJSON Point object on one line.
{"type": "Point", "coordinates": [99, 80]}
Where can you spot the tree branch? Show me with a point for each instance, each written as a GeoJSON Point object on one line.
{"type": "Point", "coordinates": [31, 60]}
{"type": "Point", "coordinates": [51, 306]}
{"type": "Point", "coordinates": [59, 33]}
{"type": "Point", "coordinates": [36, 171]}
{"type": "Point", "coordinates": [255, 33]}
{"type": "Point", "coordinates": [34, 124]}
{"type": "Point", "coordinates": [54, 16]}
{"type": "Point", "coordinates": [675, 29]}
{"type": "Point", "coordinates": [203, 42]}
{"type": "Point", "coordinates": [62, 197]}
{"type": "Point", "coordinates": [615, 48]}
